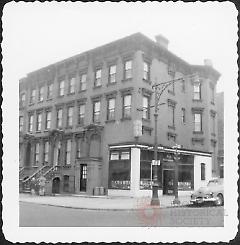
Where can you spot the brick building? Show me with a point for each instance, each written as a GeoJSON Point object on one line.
{"type": "Point", "coordinates": [77, 117]}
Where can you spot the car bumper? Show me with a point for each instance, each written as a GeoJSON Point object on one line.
{"type": "Point", "coordinates": [203, 199]}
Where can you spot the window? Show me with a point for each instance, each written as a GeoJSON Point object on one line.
{"type": "Point", "coordinates": [66, 183]}
{"type": "Point", "coordinates": [112, 74]}
{"type": "Point", "coordinates": [71, 89]}
{"type": "Point", "coordinates": [46, 150]}
{"type": "Point", "coordinates": [197, 122]}
{"type": "Point", "coordinates": [127, 106]}
{"type": "Point", "coordinates": [171, 109]}
{"type": "Point", "coordinates": [41, 94]}
{"type": "Point", "coordinates": [111, 109]}
{"type": "Point", "coordinates": [203, 174]}
{"type": "Point", "coordinates": [36, 156]}
{"type": "Point", "coordinates": [59, 118]}
{"type": "Point", "coordinates": [79, 148]}
{"type": "Point", "coordinates": [128, 69]}
{"type": "Point", "coordinates": [114, 155]}
{"type": "Point", "coordinates": [32, 96]}
{"type": "Point", "coordinates": [125, 155]}
{"type": "Point", "coordinates": [146, 107]}
{"type": "Point", "coordinates": [83, 82]}
{"type": "Point", "coordinates": [183, 115]}
{"type": "Point", "coordinates": [68, 151]}
{"type": "Point", "coordinates": [96, 111]}
{"type": "Point", "coordinates": [39, 121]}
{"type": "Point", "coordinates": [196, 91]}
{"type": "Point", "coordinates": [183, 86]}
{"type": "Point", "coordinates": [146, 71]}
{"type": "Point", "coordinates": [213, 124]}
{"type": "Point", "coordinates": [212, 95]}
{"type": "Point", "coordinates": [70, 116]}
{"type": "Point", "coordinates": [22, 99]}
{"type": "Point", "coordinates": [48, 119]}
{"type": "Point", "coordinates": [61, 88]}
{"type": "Point", "coordinates": [98, 75]}
{"type": "Point", "coordinates": [81, 114]}
{"type": "Point", "coordinates": [49, 91]}
{"type": "Point", "coordinates": [171, 88]}
{"type": "Point", "coordinates": [30, 123]}
{"type": "Point", "coordinates": [21, 123]}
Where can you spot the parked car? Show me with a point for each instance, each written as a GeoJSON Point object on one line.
{"type": "Point", "coordinates": [213, 193]}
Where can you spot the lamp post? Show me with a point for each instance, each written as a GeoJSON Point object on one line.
{"type": "Point", "coordinates": [176, 159]}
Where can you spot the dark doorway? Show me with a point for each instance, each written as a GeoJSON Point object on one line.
{"type": "Point", "coordinates": [28, 154]}
{"type": "Point", "coordinates": [83, 177]}
{"type": "Point", "coordinates": [66, 183]}
{"type": "Point", "coordinates": [168, 182]}
{"type": "Point", "coordinates": [56, 185]}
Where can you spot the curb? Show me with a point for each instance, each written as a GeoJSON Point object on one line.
{"type": "Point", "coordinates": [103, 209]}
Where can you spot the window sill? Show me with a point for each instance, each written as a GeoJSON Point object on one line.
{"type": "Point", "coordinates": [82, 91]}
{"type": "Point", "coordinates": [38, 132]}
{"type": "Point", "coordinates": [49, 99]}
{"type": "Point", "coordinates": [147, 81]}
{"type": "Point", "coordinates": [171, 127]}
{"type": "Point", "coordinates": [30, 104]}
{"type": "Point", "coordinates": [110, 84]}
{"type": "Point", "coordinates": [60, 96]}
{"type": "Point", "coordinates": [126, 118]}
{"type": "Point", "coordinates": [67, 166]}
{"type": "Point", "coordinates": [197, 132]}
{"type": "Point", "coordinates": [96, 87]}
{"type": "Point", "coordinates": [171, 92]}
{"type": "Point", "coordinates": [110, 121]}
{"type": "Point", "coordinates": [71, 93]}
{"type": "Point", "coordinates": [39, 102]}
{"type": "Point", "coordinates": [69, 127]}
{"type": "Point", "coordinates": [46, 130]}
{"type": "Point", "coordinates": [146, 120]}
{"type": "Point", "coordinates": [80, 125]}
{"type": "Point", "coordinates": [196, 100]}
{"type": "Point", "coordinates": [127, 79]}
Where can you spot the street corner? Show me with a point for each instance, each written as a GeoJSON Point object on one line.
{"type": "Point", "coordinates": [147, 214]}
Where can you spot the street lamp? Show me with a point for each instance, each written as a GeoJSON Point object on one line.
{"type": "Point", "coordinates": [176, 158]}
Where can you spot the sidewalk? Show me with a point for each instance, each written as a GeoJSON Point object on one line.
{"type": "Point", "coordinates": [100, 202]}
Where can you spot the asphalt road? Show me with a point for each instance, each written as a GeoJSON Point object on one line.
{"type": "Point", "coordinates": [36, 215]}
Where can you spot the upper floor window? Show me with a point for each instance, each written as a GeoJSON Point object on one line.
{"type": "Point", "coordinates": [59, 118]}
{"type": "Point", "coordinates": [183, 86]}
{"type": "Point", "coordinates": [79, 148]}
{"type": "Point", "coordinates": [22, 98]}
{"type": "Point", "coordinates": [197, 91]}
{"type": "Point", "coordinates": [49, 91]}
{"type": "Point", "coordinates": [112, 74]}
{"type": "Point", "coordinates": [146, 71]}
{"type": "Point", "coordinates": [39, 121]}
{"type": "Point", "coordinates": [98, 77]}
{"type": "Point", "coordinates": [61, 88]}
{"type": "Point", "coordinates": [213, 124]}
{"type": "Point", "coordinates": [197, 122]}
{"type": "Point", "coordinates": [203, 174]}
{"type": "Point", "coordinates": [128, 69]}
{"type": "Point", "coordinates": [111, 109]}
{"type": "Point", "coordinates": [71, 89]}
{"type": "Point", "coordinates": [83, 82]}
{"type": "Point", "coordinates": [48, 119]}
{"type": "Point", "coordinates": [21, 123]}
{"type": "Point", "coordinates": [171, 109]}
{"type": "Point", "coordinates": [32, 96]}
{"type": "Point", "coordinates": [81, 114]}
{"type": "Point", "coordinates": [212, 95]}
{"type": "Point", "coordinates": [183, 115]}
{"type": "Point", "coordinates": [41, 94]}
{"type": "Point", "coordinates": [68, 151]}
{"type": "Point", "coordinates": [146, 107]}
{"type": "Point", "coordinates": [30, 123]}
{"type": "Point", "coordinates": [96, 111]}
{"type": "Point", "coordinates": [46, 151]}
{"type": "Point", "coordinates": [171, 88]}
{"type": "Point", "coordinates": [70, 116]}
{"type": "Point", "coordinates": [127, 106]}
{"type": "Point", "coordinates": [36, 157]}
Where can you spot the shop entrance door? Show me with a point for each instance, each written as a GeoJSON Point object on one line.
{"type": "Point", "coordinates": [168, 181]}
{"type": "Point", "coordinates": [83, 177]}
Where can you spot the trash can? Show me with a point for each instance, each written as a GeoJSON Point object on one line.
{"type": "Point", "coordinates": [96, 191]}
{"type": "Point", "coordinates": [101, 191]}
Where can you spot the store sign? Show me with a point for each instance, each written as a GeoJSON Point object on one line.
{"type": "Point", "coordinates": [137, 128]}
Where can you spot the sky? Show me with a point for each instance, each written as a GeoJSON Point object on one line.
{"type": "Point", "coordinates": [39, 34]}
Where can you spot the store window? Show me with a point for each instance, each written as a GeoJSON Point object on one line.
{"type": "Point", "coordinates": [119, 170]}
{"type": "Point", "coordinates": [185, 177]}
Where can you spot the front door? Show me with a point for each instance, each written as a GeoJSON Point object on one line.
{"type": "Point", "coordinates": [168, 182]}
{"type": "Point", "coordinates": [56, 185]}
{"type": "Point", "coordinates": [83, 177]}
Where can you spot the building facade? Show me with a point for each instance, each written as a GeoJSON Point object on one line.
{"type": "Point", "coordinates": [77, 120]}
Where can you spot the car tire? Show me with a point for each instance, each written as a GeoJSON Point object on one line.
{"type": "Point", "coordinates": [219, 201]}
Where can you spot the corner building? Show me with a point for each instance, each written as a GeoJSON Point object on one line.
{"type": "Point", "coordinates": [77, 121]}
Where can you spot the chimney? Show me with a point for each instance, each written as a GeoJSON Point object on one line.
{"type": "Point", "coordinates": [162, 41]}
{"type": "Point", "coordinates": [208, 62]}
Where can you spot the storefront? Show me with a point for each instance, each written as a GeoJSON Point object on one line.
{"type": "Point", "coordinates": [131, 170]}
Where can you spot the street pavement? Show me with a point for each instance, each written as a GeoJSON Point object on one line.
{"type": "Point", "coordinates": [38, 215]}
{"type": "Point", "coordinates": [100, 202]}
